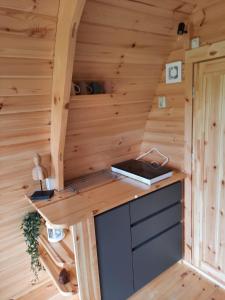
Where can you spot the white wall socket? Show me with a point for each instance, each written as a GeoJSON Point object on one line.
{"type": "Point", "coordinates": [195, 43]}
{"type": "Point", "coordinates": [162, 102]}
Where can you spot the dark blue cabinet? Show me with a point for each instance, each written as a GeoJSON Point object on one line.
{"type": "Point", "coordinates": [154, 202]}
{"type": "Point", "coordinates": [137, 241]}
{"type": "Point", "coordinates": [155, 225]}
{"type": "Point", "coordinates": [115, 253]}
{"type": "Point", "coordinates": [156, 255]}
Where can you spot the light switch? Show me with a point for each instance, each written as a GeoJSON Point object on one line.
{"type": "Point", "coordinates": [162, 102]}
{"type": "Point", "coordinates": [195, 43]}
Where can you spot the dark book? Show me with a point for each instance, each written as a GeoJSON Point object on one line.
{"type": "Point", "coordinates": [143, 171]}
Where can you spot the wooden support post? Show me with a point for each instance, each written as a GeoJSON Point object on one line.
{"type": "Point", "coordinates": [69, 16]}
{"type": "Point", "coordinates": [86, 261]}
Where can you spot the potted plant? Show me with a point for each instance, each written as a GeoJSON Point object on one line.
{"type": "Point", "coordinates": [30, 226]}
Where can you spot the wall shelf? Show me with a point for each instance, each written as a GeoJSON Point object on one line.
{"type": "Point", "coordinates": [91, 95]}
{"type": "Point", "coordinates": [68, 289]}
{"type": "Point", "coordinates": [84, 100]}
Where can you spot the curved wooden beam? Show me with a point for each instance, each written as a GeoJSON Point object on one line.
{"type": "Point", "coordinates": [70, 12]}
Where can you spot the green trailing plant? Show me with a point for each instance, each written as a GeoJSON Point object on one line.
{"type": "Point", "coordinates": [31, 230]}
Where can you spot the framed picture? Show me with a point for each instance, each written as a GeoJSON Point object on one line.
{"type": "Point", "coordinates": [174, 72]}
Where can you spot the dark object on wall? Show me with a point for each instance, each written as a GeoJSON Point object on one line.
{"type": "Point", "coordinates": [64, 276]}
{"type": "Point", "coordinates": [85, 88]}
{"type": "Point", "coordinates": [77, 90]}
{"type": "Point", "coordinates": [97, 88]}
{"type": "Point", "coordinates": [181, 29]}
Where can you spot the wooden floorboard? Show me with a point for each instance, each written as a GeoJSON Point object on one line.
{"type": "Point", "coordinates": [46, 291]}
{"type": "Point", "coordinates": [178, 283]}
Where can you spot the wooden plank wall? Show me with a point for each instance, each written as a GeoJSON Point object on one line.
{"type": "Point", "coordinates": [27, 36]}
{"type": "Point", "coordinates": [122, 43]}
{"type": "Point", "coordinates": [165, 127]}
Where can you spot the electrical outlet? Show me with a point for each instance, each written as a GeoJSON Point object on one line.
{"type": "Point", "coordinates": [162, 102]}
{"type": "Point", "coordinates": [195, 43]}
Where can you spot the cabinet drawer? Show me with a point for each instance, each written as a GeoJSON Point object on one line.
{"type": "Point", "coordinates": [155, 224]}
{"type": "Point", "coordinates": [156, 256]}
{"type": "Point", "coordinates": [154, 202]}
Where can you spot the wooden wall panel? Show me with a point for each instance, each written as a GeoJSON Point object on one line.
{"type": "Point", "coordinates": [101, 131]}
{"type": "Point", "coordinates": [27, 34]}
{"type": "Point", "coordinates": [122, 43]}
{"type": "Point", "coordinates": [165, 127]}
{"type": "Point", "coordinates": [208, 21]}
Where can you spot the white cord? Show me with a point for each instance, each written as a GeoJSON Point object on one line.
{"type": "Point", "coordinates": [166, 159]}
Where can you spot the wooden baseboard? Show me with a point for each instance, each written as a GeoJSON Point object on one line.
{"type": "Point", "coordinates": [207, 276]}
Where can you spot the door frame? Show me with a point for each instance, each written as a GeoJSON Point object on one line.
{"type": "Point", "coordinates": [192, 58]}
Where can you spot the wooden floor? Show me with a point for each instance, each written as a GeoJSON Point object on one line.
{"type": "Point", "coordinates": [178, 283]}
{"type": "Point", "coordinates": [46, 292]}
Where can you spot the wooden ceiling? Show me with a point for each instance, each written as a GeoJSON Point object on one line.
{"type": "Point", "coordinates": [125, 44]}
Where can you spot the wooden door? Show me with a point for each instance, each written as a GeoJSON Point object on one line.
{"type": "Point", "coordinates": [209, 168]}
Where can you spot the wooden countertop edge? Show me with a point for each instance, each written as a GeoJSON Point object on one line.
{"type": "Point", "coordinates": [154, 187]}
{"type": "Point", "coordinates": [64, 226]}
{"type": "Point", "coordinates": [97, 207]}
